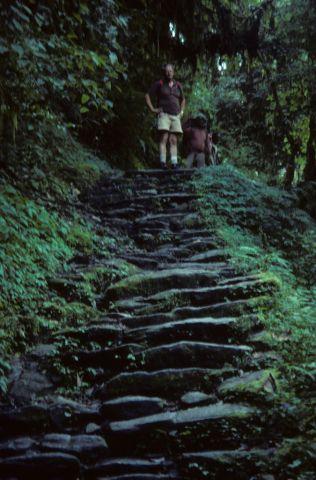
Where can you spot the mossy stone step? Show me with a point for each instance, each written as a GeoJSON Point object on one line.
{"type": "Point", "coordinates": [257, 386]}
{"type": "Point", "coordinates": [187, 354]}
{"type": "Point", "coordinates": [217, 425]}
{"type": "Point", "coordinates": [204, 329]}
{"type": "Point", "coordinates": [234, 308]}
{"type": "Point", "coordinates": [171, 382]}
{"type": "Point", "coordinates": [149, 283]}
{"type": "Point", "coordinates": [198, 297]}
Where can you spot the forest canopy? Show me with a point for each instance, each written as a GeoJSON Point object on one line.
{"type": "Point", "coordinates": [83, 67]}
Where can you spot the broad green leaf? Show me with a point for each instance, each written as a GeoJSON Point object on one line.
{"type": "Point", "coordinates": [84, 99]}
{"type": "Point", "coordinates": [113, 57]}
{"type": "Point", "coordinates": [3, 49]}
{"type": "Point", "coordinates": [17, 25]}
{"type": "Point", "coordinates": [84, 109]}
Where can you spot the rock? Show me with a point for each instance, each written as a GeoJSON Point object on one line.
{"type": "Point", "coordinates": [28, 419]}
{"type": "Point", "coordinates": [27, 382]}
{"type": "Point", "coordinates": [191, 354]}
{"type": "Point", "coordinates": [251, 385]}
{"type": "Point", "coordinates": [39, 466]}
{"type": "Point", "coordinates": [171, 381]}
{"type": "Point", "coordinates": [174, 420]}
{"type": "Point", "coordinates": [204, 329]}
{"type": "Point", "coordinates": [124, 466]}
{"type": "Point", "coordinates": [16, 446]}
{"type": "Point", "coordinates": [131, 407]}
{"type": "Point", "coordinates": [194, 398]}
{"type": "Point", "coordinates": [153, 282]}
{"type": "Point", "coordinates": [92, 428]}
{"type": "Point", "coordinates": [86, 447]}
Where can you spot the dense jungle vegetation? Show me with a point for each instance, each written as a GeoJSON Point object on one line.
{"type": "Point", "coordinates": [72, 81]}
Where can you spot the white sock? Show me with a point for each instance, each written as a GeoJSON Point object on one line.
{"type": "Point", "coordinates": [174, 160]}
{"type": "Point", "coordinates": [163, 158]}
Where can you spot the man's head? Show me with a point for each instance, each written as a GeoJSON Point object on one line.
{"type": "Point", "coordinates": [200, 120]}
{"type": "Point", "coordinates": [168, 71]}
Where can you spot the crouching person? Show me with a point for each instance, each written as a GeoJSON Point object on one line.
{"type": "Point", "coordinates": [198, 141]}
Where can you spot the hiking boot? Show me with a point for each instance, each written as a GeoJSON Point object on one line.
{"type": "Point", "coordinates": [174, 166]}
{"type": "Point", "coordinates": [163, 166]}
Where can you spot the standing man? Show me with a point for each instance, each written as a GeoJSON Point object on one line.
{"type": "Point", "coordinates": [170, 110]}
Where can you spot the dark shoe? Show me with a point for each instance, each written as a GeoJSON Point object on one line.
{"type": "Point", "coordinates": [163, 166]}
{"type": "Point", "coordinates": [174, 166]}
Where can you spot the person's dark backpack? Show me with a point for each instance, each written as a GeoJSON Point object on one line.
{"type": "Point", "coordinates": [185, 143]}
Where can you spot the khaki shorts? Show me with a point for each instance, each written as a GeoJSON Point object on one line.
{"type": "Point", "coordinates": [170, 123]}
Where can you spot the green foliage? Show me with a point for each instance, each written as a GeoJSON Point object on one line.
{"type": "Point", "coordinates": [265, 231]}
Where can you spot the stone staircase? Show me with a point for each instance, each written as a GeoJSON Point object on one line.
{"type": "Point", "coordinates": [180, 385]}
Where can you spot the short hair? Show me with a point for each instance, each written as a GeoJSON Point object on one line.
{"type": "Point", "coordinates": [166, 65]}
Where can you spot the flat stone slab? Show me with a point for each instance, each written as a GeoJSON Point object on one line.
{"type": "Point", "coordinates": [194, 398]}
{"type": "Point", "coordinates": [127, 466]}
{"type": "Point", "coordinates": [206, 329]}
{"type": "Point", "coordinates": [45, 465]}
{"type": "Point", "coordinates": [180, 418]}
{"type": "Point", "coordinates": [210, 256]}
{"type": "Point", "coordinates": [152, 282]}
{"type": "Point", "coordinates": [86, 447]}
{"type": "Point", "coordinates": [16, 446]}
{"type": "Point", "coordinates": [131, 407]}
{"type": "Point", "coordinates": [250, 384]}
{"type": "Point", "coordinates": [144, 476]}
{"type": "Point", "coordinates": [227, 456]}
{"type": "Point", "coordinates": [171, 382]}
{"type": "Point", "coordinates": [191, 354]}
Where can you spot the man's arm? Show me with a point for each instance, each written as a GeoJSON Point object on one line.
{"type": "Point", "coordinates": [150, 105]}
{"type": "Point", "coordinates": [182, 106]}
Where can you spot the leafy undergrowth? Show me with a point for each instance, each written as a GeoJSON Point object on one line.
{"type": "Point", "coordinates": [265, 231]}
{"type": "Point", "coordinates": [41, 230]}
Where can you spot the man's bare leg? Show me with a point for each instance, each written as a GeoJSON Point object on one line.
{"type": "Point", "coordinates": [173, 148]}
{"type": "Point", "coordinates": [163, 147]}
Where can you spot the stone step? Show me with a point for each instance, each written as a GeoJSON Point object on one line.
{"type": "Point", "coordinates": [182, 354]}
{"type": "Point", "coordinates": [172, 382]}
{"type": "Point", "coordinates": [109, 360]}
{"type": "Point", "coordinates": [143, 476]}
{"type": "Point", "coordinates": [218, 310]}
{"type": "Point", "coordinates": [204, 329]}
{"type": "Point", "coordinates": [186, 354]}
{"type": "Point", "coordinates": [227, 464]}
{"type": "Point", "coordinates": [41, 465]}
{"type": "Point", "coordinates": [124, 408]}
{"type": "Point", "coordinates": [133, 468]}
{"type": "Point", "coordinates": [199, 297]}
{"type": "Point", "coordinates": [251, 386]}
{"type": "Point", "coordinates": [150, 283]}
{"type": "Point", "coordinates": [179, 174]}
{"type": "Point", "coordinates": [215, 426]}
{"type": "Point", "coordinates": [148, 202]}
